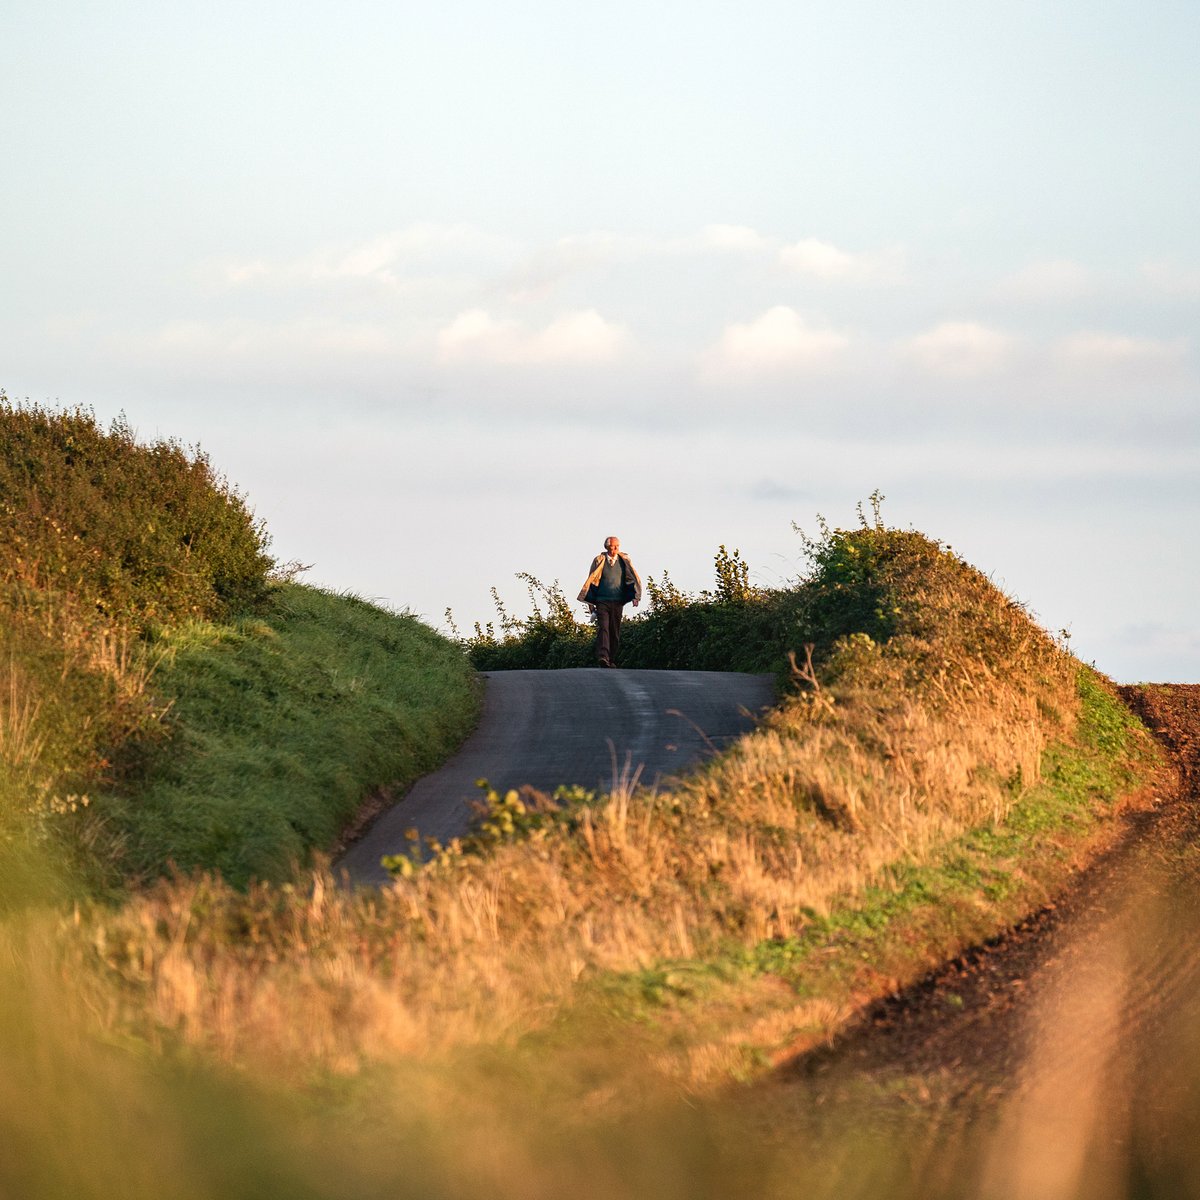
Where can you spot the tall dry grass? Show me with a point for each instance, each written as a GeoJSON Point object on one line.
{"type": "Point", "coordinates": [887, 750]}
{"type": "Point", "coordinates": [74, 697]}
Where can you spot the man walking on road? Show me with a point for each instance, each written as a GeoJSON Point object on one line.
{"type": "Point", "coordinates": [611, 584]}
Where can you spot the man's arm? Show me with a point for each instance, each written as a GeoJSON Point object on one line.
{"type": "Point", "coordinates": [637, 580]}
{"type": "Point", "coordinates": [587, 583]}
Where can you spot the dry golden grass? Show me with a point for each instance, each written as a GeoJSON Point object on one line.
{"type": "Point", "coordinates": [74, 687]}
{"type": "Point", "coordinates": [897, 749]}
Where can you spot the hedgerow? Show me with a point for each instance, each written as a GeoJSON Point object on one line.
{"type": "Point", "coordinates": [853, 586]}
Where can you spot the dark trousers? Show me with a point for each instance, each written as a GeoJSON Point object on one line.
{"type": "Point", "coordinates": [608, 630]}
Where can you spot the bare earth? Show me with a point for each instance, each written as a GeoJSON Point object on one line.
{"type": "Point", "coordinates": [1065, 1022]}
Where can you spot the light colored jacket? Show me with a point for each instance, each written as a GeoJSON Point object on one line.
{"type": "Point", "coordinates": [587, 593]}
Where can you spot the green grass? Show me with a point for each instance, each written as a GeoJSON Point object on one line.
{"type": "Point", "coordinates": [279, 726]}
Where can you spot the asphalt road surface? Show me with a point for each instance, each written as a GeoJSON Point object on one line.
{"type": "Point", "coordinates": [584, 726]}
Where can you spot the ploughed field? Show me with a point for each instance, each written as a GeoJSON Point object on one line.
{"type": "Point", "coordinates": [1071, 1037]}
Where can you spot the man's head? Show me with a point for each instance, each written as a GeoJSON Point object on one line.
{"type": "Point", "coordinates": [611, 545]}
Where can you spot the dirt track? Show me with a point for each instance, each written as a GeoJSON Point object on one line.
{"type": "Point", "coordinates": [1094, 986]}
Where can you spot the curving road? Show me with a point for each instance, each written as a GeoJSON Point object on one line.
{"type": "Point", "coordinates": [582, 726]}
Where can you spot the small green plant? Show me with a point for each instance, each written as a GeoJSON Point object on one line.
{"type": "Point", "coordinates": [733, 578]}
{"type": "Point", "coordinates": [518, 814]}
{"type": "Point", "coordinates": [664, 595]}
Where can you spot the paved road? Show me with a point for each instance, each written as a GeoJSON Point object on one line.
{"type": "Point", "coordinates": [547, 728]}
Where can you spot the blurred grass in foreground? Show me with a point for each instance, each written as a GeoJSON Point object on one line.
{"type": "Point", "coordinates": [1105, 1110]}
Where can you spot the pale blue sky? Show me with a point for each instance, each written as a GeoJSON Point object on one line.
{"type": "Point", "coordinates": [454, 291]}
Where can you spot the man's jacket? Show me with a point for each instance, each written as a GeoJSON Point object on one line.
{"type": "Point", "coordinates": [631, 583]}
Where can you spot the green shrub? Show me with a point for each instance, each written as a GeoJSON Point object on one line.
{"type": "Point", "coordinates": [734, 627]}
{"type": "Point", "coordinates": [137, 533]}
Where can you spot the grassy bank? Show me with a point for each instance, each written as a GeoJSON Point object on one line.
{"type": "Point", "coordinates": [732, 626]}
{"type": "Point", "coordinates": [279, 725]}
{"type": "Point", "coordinates": [105, 542]}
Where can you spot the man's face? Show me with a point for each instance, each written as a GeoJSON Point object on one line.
{"type": "Point", "coordinates": [612, 545]}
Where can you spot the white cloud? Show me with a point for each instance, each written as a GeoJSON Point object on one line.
{"type": "Point", "coordinates": [960, 349]}
{"type": "Point", "coordinates": [1094, 350]}
{"type": "Point", "coordinates": [1171, 279]}
{"type": "Point", "coordinates": [577, 254]}
{"type": "Point", "coordinates": [237, 273]}
{"type": "Point", "coordinates": [389, 259]}
{"type": "Point", "coordinates": [778, 340]}
{"type": "Point", "coordinates": [732, 237]}
{"type": "Point", "coordinates": [307, 340]}
{"type": "Point", "coordinates": [1053, 279]}
{"type": "Point", "coordinates": [540, 273]}
{"type": "Point", "coordinates": [306, 352]}
{"type": "Point", "coordinates": [577, 337]}
{"type": "Point", "coordinates": [823, 260]}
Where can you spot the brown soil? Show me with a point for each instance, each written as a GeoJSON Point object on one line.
{"type": "Point", "coordinates": [973, 1030]}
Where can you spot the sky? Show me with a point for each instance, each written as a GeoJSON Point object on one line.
{"type": "Point", "coordinates": [452, 292]}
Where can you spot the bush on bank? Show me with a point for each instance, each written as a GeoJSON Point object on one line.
{"type": "Point", "coordinates": [136, 532]}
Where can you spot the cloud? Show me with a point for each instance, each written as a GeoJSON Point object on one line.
{"type": "Point", "coordinates": [779, 340]}
{"type": "Point", "coordinates": [390, 258]}
{"type": "Point", "coordinates": [308, 340]}
{"type": "Point", "coordinates": [1099, 351]}
{"type": "Point", "coordinates": [732, 238]}
{"type": "Point", "coordinates": [237, 273]}
{"type": "Point", "coordinates": [307, 353]}
{"type": "Point", "coordinates": [577, 337]}
{"type": "Point", "coordinates": [1053, 279]}
{"type": "Point", "coordinates": [960, 349]}
{"type": "Point", "coordinates": [1171, 279]}
{"type": "Point", "coordinates": [537, 276]}
{"type": "Point", "coordinates": [578, 254]}
{"type": "Point", "coordinates": [823, 260]}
